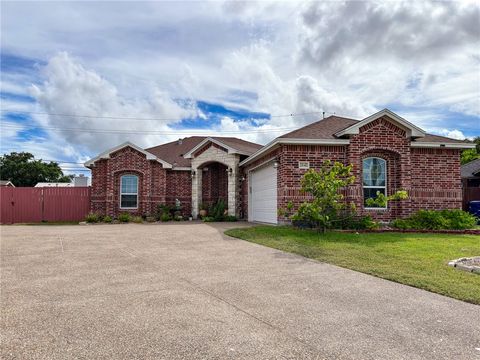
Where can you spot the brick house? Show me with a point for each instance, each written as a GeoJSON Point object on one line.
{"type": "Point", "coordinates": [388, 153]}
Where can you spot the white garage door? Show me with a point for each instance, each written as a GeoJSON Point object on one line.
{"type": "Point", "coordinates": [263, 194]}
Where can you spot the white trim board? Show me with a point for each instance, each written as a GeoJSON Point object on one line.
{"type": "Point", "coordinates": [445, 145]}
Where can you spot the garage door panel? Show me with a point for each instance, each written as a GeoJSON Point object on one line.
{"type": "Point", "coordinates": [263, 194]}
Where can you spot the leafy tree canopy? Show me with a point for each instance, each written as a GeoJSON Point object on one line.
{"type": "Point", "coordinates": [23, 170]}
{"type": "Point", "coordinates": [471, 154]}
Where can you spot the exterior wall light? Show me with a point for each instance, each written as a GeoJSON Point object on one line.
{"type": "Point", "coordinates": [193, 173]}
{"type": "Point", "coordinates": [275, 164]}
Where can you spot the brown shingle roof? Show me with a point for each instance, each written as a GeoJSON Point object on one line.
{"type": "Point", "coordinates": [437, 138]}
{"type": "Point", "coordinates": [173, 152]}
{"type": "Point", "coordinates": [471, 169]}
{"type": "Point", "coordinates": [243, 146]}
{"type": "Point", "coordinates": [323, 129]}
{"type": "Point", "coordinates": [328, 127]}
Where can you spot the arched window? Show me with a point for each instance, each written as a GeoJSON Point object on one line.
{"type": "Point", "coordinates": [129, 192]}
{"type": "Point", "coordinates": [374, 172]}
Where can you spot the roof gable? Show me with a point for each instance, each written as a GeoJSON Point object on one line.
{"type": "Point", "coordinates": [410, 129]}
{"type": "Point", "coordinates": [231, 145]}
{"type": "Point", "coordinates": [106, 155]}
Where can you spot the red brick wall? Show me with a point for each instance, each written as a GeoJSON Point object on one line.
{"type": "Point", "coordinates": [289, 175]}
{"type": "Point", "coordinates": [436, 180]}
{"type": "Point", "coordinates": [431, 176]}
{"type": "Point", "coordinates": [383, 139]}
{"type": "Point", "coordinates": [179, 186]}
{"type": "Point", "coordinates": [98, 201]}
{"type": "Point", "coordinates": [106, 182]}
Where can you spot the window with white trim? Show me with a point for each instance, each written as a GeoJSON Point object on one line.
{"type": "Point", "coordinates": [374, 173]}
{"type": "Point", "coordinates": [129, 192]}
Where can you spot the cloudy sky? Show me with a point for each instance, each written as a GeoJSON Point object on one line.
{"type": "Point", "coordinates": [80, 77]}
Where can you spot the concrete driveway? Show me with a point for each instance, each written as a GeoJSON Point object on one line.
{"type": "Point", "coordinates": [181, 291]}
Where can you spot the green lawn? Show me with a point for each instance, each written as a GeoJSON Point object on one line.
{"type": "Point", "coordinates": [418, 260]}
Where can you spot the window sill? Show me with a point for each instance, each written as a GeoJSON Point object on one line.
{"type": "Point", "coordinates": [375, 209]}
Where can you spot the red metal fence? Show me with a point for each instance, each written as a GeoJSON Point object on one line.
{"type": "Point", "coordinates": [27, 204]}
{"type": "Point", "coordinates": [470, 194]}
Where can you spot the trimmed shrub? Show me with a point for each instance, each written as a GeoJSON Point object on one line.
{"type": "Point", "coordinates": [124, 217]}
{"type": "Point", "coordinates": [165, 217]}
{"type": "Point", "coordinates": [459, 219]}
{"type": "Point", "coordinates": [208, 219]}
{"type": "Point", "coordinates": [91, 218]}
{"type": "Point", "coordinates": [107, 219]}
{"type": "Point", "coordinates": [231, 218]}
{"type": "Point", "coordinates": [137, 219]}
{"type": "Point", "coordinates": [436, 220]}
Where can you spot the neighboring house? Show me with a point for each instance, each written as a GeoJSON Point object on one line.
{"type": "Point", "coordinates": [77, 181]}
{"type": "Point", "coordinates": [471, 182]}
{"type": "Point", "coordinates": [6, 183]}
{"type": "Point", "coordinates": [471, 174]}
{"type": "Point", "coordinates": [80, 180]}
{"type": "Point", "coordinates": [388, 153]}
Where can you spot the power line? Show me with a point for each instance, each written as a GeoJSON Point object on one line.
{"type": "Point", "coordinates": [143, 119]}
{"type": "Point", "coordinates": [148, 132]}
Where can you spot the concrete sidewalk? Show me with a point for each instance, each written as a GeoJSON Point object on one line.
{"type": "Point", "coordinates": [176, 291]}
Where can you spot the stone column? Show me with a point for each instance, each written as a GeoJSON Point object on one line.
{"type": "Point", "coordinates": [233, 185]}
{"type": "Point", "coordinates": [196, 191]}
{"type": "Point", "coordinates": [232, 191]}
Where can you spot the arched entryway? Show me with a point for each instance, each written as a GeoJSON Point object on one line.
{"type": "Point", "coordinates": [214, 183]}
{"type": "Point", "coordinates": [218, 169]}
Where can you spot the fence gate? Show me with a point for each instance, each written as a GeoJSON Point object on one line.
{"type": "Point", "coordinates": [28, 204]}
{"type": "Point", "coordinates": [470, 194]}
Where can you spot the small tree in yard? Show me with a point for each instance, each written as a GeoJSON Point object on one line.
{"type": "Point", "coordinates": [324, 186]}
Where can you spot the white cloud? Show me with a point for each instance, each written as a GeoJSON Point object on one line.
{"type": "Point", "coordinates": [453, 134]}
{"type": "Point", "coordinates": [69, 88]}
{"type": "Point", "coordinates": [417, 53]}
{"type": "Point", "coordinates": [351, 58]}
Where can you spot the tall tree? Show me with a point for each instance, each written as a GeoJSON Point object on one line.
{"type": "Point", "coordinates": [471, 154]}
{"type": "Point", "coordinates": [23, 170]}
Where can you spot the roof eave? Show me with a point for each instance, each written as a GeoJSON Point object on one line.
{"type": "Point", "coordinates": [443, 145]}
{"type": "Point", "coordinates": [293, 141]}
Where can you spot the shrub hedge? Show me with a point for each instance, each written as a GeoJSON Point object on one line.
{"type": "Point", "coordinates": [437, 220]}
